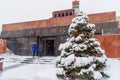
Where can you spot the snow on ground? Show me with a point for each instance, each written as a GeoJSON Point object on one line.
{"type": "Point", "coordinates": [114, 69]}
{"type": "Point", "coordinates": [38, 71]}
{"type": "Point", "coordinates": [31, 72]}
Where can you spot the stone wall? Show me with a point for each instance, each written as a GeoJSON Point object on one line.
{"type": "Point", "coordinates": [108, 28]}
{"type": "Point", "coordinates": [60, 21]}
{"type": "Point", "coordinates": [102, 17]}
{"type": "Point", "coordinates": [2, 46]}
{"type": "Point", "coordinates": [20, 46]}
{"type": "Point", "coordinates": [111, 44]}
{"type": "Point", "coordinates": [101, 28]}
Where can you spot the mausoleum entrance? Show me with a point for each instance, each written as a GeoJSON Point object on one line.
{"type": "Point", "coordinates": [48, 45]}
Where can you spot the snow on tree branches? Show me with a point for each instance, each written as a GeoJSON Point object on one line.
{"type": "Point", "coordinates": [81, 55]}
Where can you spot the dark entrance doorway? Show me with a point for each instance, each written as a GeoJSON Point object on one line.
{"type": "Point", "coordinates": [49, 47]}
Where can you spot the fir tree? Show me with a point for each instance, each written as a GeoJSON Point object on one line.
{"type": "Point", "coordinates": [81, 55]}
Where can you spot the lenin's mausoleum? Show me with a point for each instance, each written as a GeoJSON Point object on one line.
{"type": "Point", "coordinates": [53, 31]}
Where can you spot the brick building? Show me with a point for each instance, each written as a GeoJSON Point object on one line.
{"type": "Point", "coordinates": [51, 32]}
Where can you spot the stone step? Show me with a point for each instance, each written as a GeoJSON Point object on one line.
{"type": "Point", "coordinates": [38, 61]}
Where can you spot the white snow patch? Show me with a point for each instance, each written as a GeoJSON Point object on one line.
{"type": "Point", "coordinates": [48, 71]}
{"type": "Point", "coordinates": [69, 59]}
{"type": "Point", "coordinates": [113, 69]}
{"type": "Point", "coordinates": [60, 71]}
{"type": "Point", "coordinates": [97, 75]}
{"type": "Point", "coordinates": [48, 74]}
{"type": "Point", "coordinates": [82, 61]}
{"type": "Point", "coordinates": [64, 46]}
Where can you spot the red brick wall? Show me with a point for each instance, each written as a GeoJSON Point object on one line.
{"type": "Point", "coordinates": [2, 46]}
{"type": "Point", "coordinates": [102, 17]}
{"type": "Point", "coordinates": [61, 21]}
{"type": "Point", "coordinates": [111, 45]}
{"type": "Point", "coordinates": [1, 66]}
{"type": "Point", "coordinates": [63, 11]}
{"type": "Point", "coordinates": [38, 24]}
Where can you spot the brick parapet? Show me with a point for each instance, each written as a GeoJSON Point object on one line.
{"type": "Point", "coordinates": [59, 21]}
{"type": "Point", "coordinates": [102, 17]}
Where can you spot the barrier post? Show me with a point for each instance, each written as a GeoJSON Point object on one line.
{"type": "Point", "coordinates": [1, 66]}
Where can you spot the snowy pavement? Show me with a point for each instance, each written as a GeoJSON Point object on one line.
{"type": "Point", "coordinates": [31, 72]}
{"type": "Point", "coordinates": [27, 68]}
{"type": "Point", "coordinates": [13, 62]}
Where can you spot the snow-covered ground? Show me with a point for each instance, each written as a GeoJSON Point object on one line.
{"type": "Point", "coordinates": [39, 68]}
{"type": "Point", "coordinates": [30, 72]}
{"type": "Point", "coordinates": [42, 69]}
{"type": "Point", "coordinates": [114, 69]}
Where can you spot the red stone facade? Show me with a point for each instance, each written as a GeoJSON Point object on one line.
{"type": "Point", "coordinates": [59, 21]}
{"type": "Point", "coordinates": [2, 46]}
{"type": "Point", "coordinates": [1, 66]}
{"type": "Point", "coordinates": [38, 24]}
{"type": "Point", "coordinates": [111, 45]}
{"type": "Point", "coordinates": [102, 17]}
{"type": "Point", "coordinates": [63, 18]}
{"type": "Point", "coordinates": [63, 13]}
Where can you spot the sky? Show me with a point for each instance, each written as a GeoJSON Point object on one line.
{"type": "Point", "coordinates": [12, 11]}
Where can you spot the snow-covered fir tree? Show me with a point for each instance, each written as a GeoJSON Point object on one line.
{"type": "Point", "coordinates": [81, 56]}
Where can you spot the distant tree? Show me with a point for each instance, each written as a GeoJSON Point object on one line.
{"type": "Point", "coordinates": [81, 55]}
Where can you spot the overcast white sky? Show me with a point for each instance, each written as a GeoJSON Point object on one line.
{"type": "Point", "coordinates": [12, 11]}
